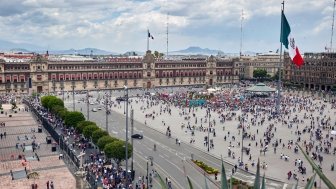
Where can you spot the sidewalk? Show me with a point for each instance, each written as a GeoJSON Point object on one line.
{"type": "Point", "coordinates": [19, 129]}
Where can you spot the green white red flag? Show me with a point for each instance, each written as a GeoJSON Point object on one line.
{"type": "Point", "coordinates": [289, 42]}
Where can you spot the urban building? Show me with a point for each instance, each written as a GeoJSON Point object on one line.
{"type": "Point", "coordinates": [317, 73]}
{"type": "Point", "coordinates": [46, 73]}
{"type": "Point", "coordinates": [268, 61]}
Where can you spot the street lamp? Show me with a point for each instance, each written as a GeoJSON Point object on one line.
{"type": "Point", "coordinates": [126, 141]}
{"type": "Point", "coordinates": [132, 128]}
{"type": "Point", "coordinates": [62, 87]}
{"type": "Point", "coordinates": [147, 174]}
{"type": "Point", "coordinates": [242, 138]}
{"type": "Point", "coordinates": [73, 94]}
{"type": "Point", "coordinates": [124, 101]}
{"type": "Point", "coordinates": [209, 130]}
{"type": "Point", "coordinates": [87, 105]}
{"type": "Point", "coordinates": [106, 109]}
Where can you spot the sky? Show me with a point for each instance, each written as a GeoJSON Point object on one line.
{"type": "Point", "coordinates": [121, 25]}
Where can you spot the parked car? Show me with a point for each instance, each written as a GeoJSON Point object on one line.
{"type": "Point", "coordinates": [137, 136]}
{"type": "Point", "coordinates": [121, 98]}
{"type": "Point", "coordinates": [94, 109]}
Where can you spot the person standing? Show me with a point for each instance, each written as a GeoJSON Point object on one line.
{"type": "Point", "coordinates": [51, 185]}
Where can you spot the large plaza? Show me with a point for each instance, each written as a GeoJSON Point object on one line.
{"type": "Point", "coordinates": [301, 116]}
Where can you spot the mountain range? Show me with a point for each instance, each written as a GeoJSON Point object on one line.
{"type": "Point", "coordinates": [7, 46]}
{"type": "Point", "coordinates": [196, 51]}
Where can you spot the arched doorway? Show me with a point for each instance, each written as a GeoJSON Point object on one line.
{"type": "Point", "coordinates": [148, 84]}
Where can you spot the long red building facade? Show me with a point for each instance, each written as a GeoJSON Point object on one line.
{"type": "Point", "coordinates": [47, 75]}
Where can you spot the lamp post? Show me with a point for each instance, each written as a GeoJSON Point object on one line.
{"type": "Point", "coordinates": [132, 128]}
{"type": "Point", "coordinates": [126, 141]}
{"type": "Point", "coordinates": [62, 87]}
{"type": "Point", "coordinates": [73, 94]}
{"type": "Point", "coordinates": [87, 105]}
{"type": "Point", "coordinates": [54, 86]}
{"type": "Point", "coordinates": [125, 100]}
{"type": "Point", "coordinates": [106, 109]}
{"type": "Point", "coordinates": [209, 129]}
{"type": "Point", "coordinates": [242, 138]}
{"type": "Point", "coordinates": [147, 175]}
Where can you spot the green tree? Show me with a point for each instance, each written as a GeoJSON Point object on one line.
{"type": "Point", "coordinates": [63, 113]}
{"type": "Point", "coordinates": [72, 118]}
{"type": "Point", "coordinates": [96, 135]}
{"type": "Point", "coordinates": [55, 102]}
{"type": "Point", "coordinates": [88, 130]}
{"type": "Point", "coordinates": [56, 109]}
{"type": "Point", "coordinates": [51, 101]}
{"type": "Point", "coordinates": [158, 54]}
{"type": "Point", "coordinates": [116, 150]}
{"type": "Point", "coordinates": [82, 124]}
{"type": "Point", "coordinates": [105, 140]}
{"type": "Point", "coordinates": [45, 100]}
{"type": "Point", "coordinates": [259, 73]}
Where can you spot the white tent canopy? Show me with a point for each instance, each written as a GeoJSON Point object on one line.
{"type": "Point", "coordinates": [211, 90]}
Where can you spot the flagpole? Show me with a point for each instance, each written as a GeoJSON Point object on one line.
{"type": "Point", "coordinates": [147, 39]}
{"type": "Point", "coordinates": [280, 64]}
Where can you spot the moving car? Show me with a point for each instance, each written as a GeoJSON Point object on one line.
{"type": "Point", "coordinates": [94, 109]}
{"type": "Point", "coordinates": [99, 108]}
{"type": "Point", "coordinates": [137, 136]}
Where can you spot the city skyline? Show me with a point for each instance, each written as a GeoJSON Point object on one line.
{"type": "Point", "coordinates": [121, 25]}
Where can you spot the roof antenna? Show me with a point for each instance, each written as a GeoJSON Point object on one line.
{"type": "Point", "coordinates": [241, 33]}
{"type": "Point", "coordinates": [332, 28]}
{"type": "Point", "coordinates": [167, 32]}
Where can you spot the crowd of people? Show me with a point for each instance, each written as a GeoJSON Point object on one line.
{"type": "Point", "coordinates": [303, 120]}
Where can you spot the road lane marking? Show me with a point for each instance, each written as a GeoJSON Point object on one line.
{"type": "Point", "coordinates": [172, 178]}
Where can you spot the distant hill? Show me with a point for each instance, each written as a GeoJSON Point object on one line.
{"type": "Point", "coordinates": [85, 51]}
{"type": "Point", "coordinates": [196, 51]}
{"type": "Point", "coordinates": [17, 50]}
{"type": "Point", "coordinates": [8, 46]}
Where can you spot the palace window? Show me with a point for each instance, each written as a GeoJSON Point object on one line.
{"type": "Point", "coordinates": [39, 77]}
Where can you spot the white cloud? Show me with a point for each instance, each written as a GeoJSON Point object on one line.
{"type": "Point", "coordinates": [121, 25]}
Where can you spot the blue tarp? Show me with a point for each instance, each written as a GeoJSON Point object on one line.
{"type": "Point", "coordinates": [199, 102]}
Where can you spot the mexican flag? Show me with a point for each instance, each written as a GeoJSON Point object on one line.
{"type": "Point", "coordinates": [289, 42]}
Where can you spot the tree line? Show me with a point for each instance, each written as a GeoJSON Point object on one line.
{"type": "Point", "coordinates": [113, 148]}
